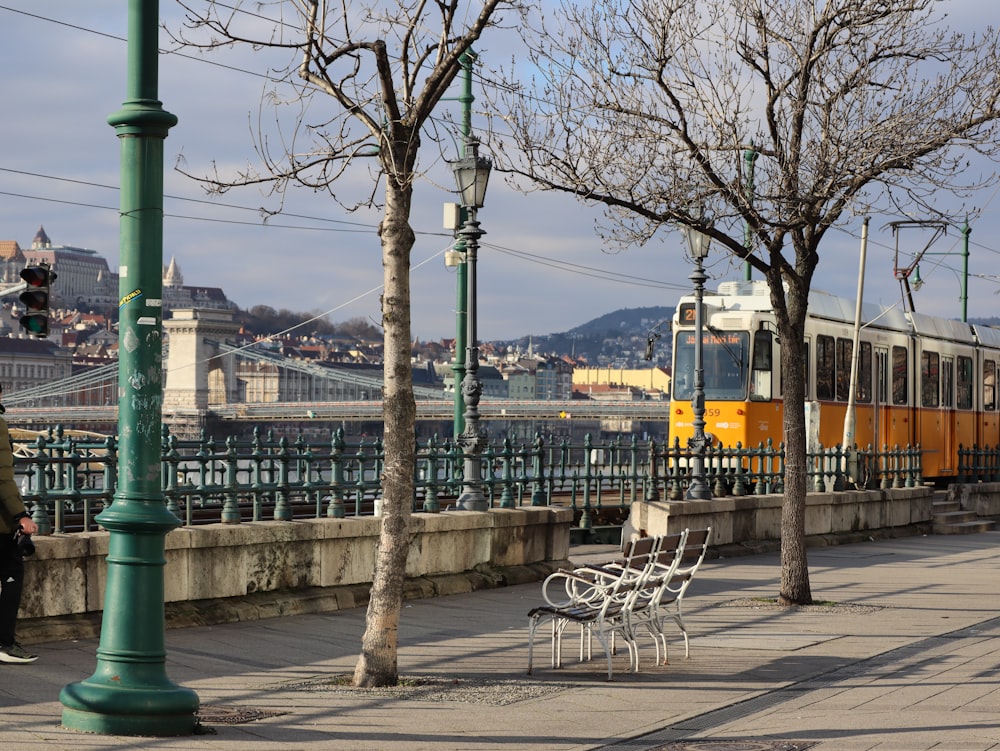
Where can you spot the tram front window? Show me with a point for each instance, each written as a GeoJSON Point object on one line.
{"type": "Point", "coordinates": [725, 360]}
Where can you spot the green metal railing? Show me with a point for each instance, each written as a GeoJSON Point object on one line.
{"type": "Point", "coordinates": [67, 481]}
{"type": "Point", "coordinates": [978, 464]}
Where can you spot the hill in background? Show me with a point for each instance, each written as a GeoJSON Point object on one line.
{"type": "Point", "coordinates": [617, 339]}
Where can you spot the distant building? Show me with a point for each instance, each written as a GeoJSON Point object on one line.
{"type": "Point", "coordinates": [654, 381]}
{"type": "Point", "coordinates": [176, 294]}
{"type": "Point", "coordinates": [520, 382]}
{"type": "Point", "coordinates": [26, 363]}
{"type": "Point", "coordinates": [553, 379]}
{"type": "Point", "coordinates": [83, 279]}
{"type": "Point", "coordinates": [11, 262]}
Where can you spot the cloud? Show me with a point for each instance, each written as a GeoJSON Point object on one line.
{"type": "Point", "coordinates": [541, 269]}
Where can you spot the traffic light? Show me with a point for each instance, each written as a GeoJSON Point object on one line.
{"type": "Point", "coordinates": [36, 299]}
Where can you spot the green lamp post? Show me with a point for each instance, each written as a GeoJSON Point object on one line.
{"type": "Point", "coordinates": [129, 693]}
{"type": "Point", "coordinates": [461, 284]}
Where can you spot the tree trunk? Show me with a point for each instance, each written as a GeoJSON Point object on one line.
{"type": "Point", "coordinates": [791, 309]}
{"type": "Point", "coordinates": [378, 663]}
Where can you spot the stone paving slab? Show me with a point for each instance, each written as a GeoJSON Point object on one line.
{"type": "Point", "coordinates": [917, 668]}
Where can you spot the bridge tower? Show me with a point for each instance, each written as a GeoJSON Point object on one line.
{"type": "Point", "coordinates": [196, 374]}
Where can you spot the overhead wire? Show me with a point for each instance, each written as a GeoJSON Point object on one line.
{"type": "Point", "coordinates": [484, 81]}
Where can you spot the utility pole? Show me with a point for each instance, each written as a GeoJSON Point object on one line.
{"type": "Point", "coordinates": [129, 693]}
{"type": "Point", "coordinates": [750, 155]}
{"type": "Point", "coordinates": [850, 416]}
{"type": "Point", "coordinates": [966, 230]}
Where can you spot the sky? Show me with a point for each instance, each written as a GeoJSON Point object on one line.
{"type": "Point", "coordinates": [542, 267]}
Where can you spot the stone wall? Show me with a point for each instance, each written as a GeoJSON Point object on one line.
{"type": "Point", "coordinates": [216, 562]}
{"type": "Point", "coordinates": [983, 498]}
{"type": "Point", "coordinates": [752, 520]}
{"type": "Point", "coordinates": [218, 572]}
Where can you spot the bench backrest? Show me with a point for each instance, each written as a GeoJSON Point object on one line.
{"type": "Point", "coordinates": [694, 552]}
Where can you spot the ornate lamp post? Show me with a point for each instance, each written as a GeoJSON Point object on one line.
{"type": "Point", "coordinates": [472, 173]}
{"type": "Point", "coordinates": [698, 489]}
{"type": "Point", "coordinates": [129, 693]}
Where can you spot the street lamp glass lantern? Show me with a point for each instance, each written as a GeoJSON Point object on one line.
{"type": "Point", "coordinates": [472, 173]}
{"type": "Point", "coordinates": [698, 242]}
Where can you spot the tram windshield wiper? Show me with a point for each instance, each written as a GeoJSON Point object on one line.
{"type": "Point", "coordinates": [737, 358]}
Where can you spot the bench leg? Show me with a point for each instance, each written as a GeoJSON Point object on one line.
{"type": "Point", "coordinates": [679, 620]}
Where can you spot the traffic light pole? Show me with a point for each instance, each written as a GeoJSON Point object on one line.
{"type": "Point", "coordinates": [129, 693]}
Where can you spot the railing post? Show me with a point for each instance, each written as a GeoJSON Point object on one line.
{"type": "Point", "coordinates": [487, 473]}
{"type": "Point", "coordinates": [58, 452]}
{"type": "Point", "coordinates": [673, 454]}
{"type": "Point", "coordinates": [72, 468]}
{"type": "Point", "coordinates": [305, 479]}
{"type": "Point", "coordinates": [282, 509]}
{"type": "Point", "coordinates": [537, 470]}
{"type": "Point", "coordinates": [779, 480]}
{"type": "Point", "coordinates": [506, 495]}
{"type": "Point", "coordinates": [587, 479]}
{"type": "Point", "coordinates": [110, 474]}
{"type": "Point", "coordinates": [814, 463]}
{"type": "Point", "coordinates": [715, 455]}
{"type": "Point", "coordinates": [651, 493]}
{"type": "Point", "coordinates": [633, 471]}
{"type": "Point", "coordinates": [335, 510]}
{"type": "Point", "coordinates": [231, 504]}
{"type": "Point", "coordinates": [169, 473]}
{"type": "Point", "coordinates": [431, 504]}
{"type": "Point", "coordinates": [760, 485]}
{"type": "Point", "coordinates": [910, 467]}
{"type": "Point", "coordinates": [40, 510]}
{"type": "Point", "coordinates": [257, 473]}
{"type": "Point", "coordinates": [739, 484]}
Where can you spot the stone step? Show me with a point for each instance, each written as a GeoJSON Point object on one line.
{"type": "Point", "coordinates": [943, 507]}
{"type": "Point", "coordinates": [954, 517]}
{"type": "Point", "coordinates": [962, 528]}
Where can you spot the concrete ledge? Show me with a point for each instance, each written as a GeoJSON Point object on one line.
{"type": "Point", "coordinates": [982, 497]}
{"type": "Point", "coordinates": [756, 520]}
{"type": "Point", "coordinates": [223, 573]}
{"type": "Point", "coordinates": [332, 559]}
{"type": "Point", "coordinates": [261, 605]}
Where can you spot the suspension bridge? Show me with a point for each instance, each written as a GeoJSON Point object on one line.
{"type": "Point", "coordinates": [206, 375]}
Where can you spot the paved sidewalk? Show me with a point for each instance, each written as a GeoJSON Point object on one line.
{"type": "Point", "coordinates": [908, 659]}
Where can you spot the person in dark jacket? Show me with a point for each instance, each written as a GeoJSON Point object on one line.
{"type": "Point", "coordinates": [14, 519]}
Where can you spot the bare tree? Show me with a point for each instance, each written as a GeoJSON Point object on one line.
{"type": "Point", "coordinates": [365, 85]}
{"type": "Point", "coordinates": [646, 107]}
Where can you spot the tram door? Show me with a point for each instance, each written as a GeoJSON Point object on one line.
{"type": "Point", "coordinates": [949, 450]}
{"type": "Point", "coordinates": [880, 420]}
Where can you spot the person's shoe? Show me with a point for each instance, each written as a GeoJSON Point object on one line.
{"type": "Point", "coordinates": [16, 653]}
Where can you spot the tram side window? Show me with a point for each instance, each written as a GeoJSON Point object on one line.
{"type": "Point", "coordinates": [805, 368]}
{"type": "Point", "coordinates": [844, 349]}
{"type": "Point", "coordinates": [826, 366]}
{"type": "Point", "coordinates": [900, 369]}
{"type": "Point", "coordinates": [763, 364]}
{"type": "Point", "coordinates": [947, 382]}
{"type": "Point", "coordinates": [864, 393]}
{"type": "Point", "coordinates": [930, 376]}
{"type": "Point", "coordinates": [989, 385]}
{"type": "Point", "coordinates": [964, 395]}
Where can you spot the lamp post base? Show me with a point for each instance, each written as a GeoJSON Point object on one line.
{"type": "Point", "coordinates": [470, 501]}
{"type": "Point", "coordinates": [160, 711]}
{"type": "Point", "coordinates": [698, 492]}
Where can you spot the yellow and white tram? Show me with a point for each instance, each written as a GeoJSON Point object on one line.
{"type": "Point", "coordinates": [921, 380]}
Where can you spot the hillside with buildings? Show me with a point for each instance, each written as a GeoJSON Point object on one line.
{"type": "Point", "coordinates": [602, 358]}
